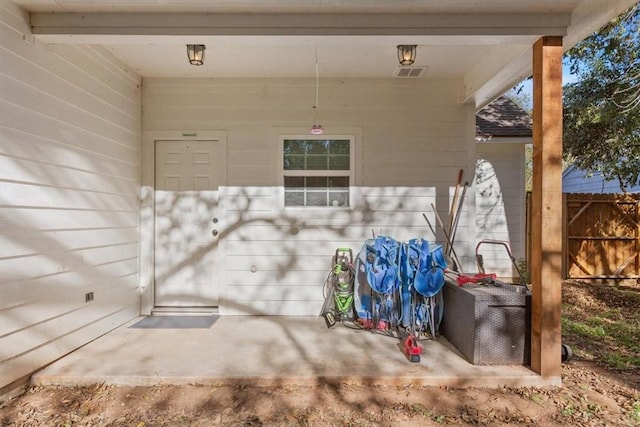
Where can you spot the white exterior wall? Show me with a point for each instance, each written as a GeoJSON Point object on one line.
{"type": "Point", "coordinates": [69, 132]}
{"type": "Point", "coordinates": [500, 204]}
{"type": "Point", "coordinates": [412, 137]}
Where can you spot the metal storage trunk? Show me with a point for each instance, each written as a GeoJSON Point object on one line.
{"type": "Point", "coordinates": [489, 324]}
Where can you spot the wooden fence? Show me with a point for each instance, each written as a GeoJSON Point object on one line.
{"type": "Point", "coordinates": [601, 236]}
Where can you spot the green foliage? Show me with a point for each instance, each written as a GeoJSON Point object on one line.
{"type": "Point", "coordinates": [537, 399]}
{"type": "Point", "coordinates": [524, 270]}
{"type": "Point", "coordinates": [602, 108]}
{"type": "Point", "coordinates": [582, 329]}
{"type": "Point", "coordinates": [568, 410]}
{"type": "Point", "coordinates": [635, 414]}
{"type": "Point", "coordinates": [610, 333]}
{"type": "Point", "coordinates": [528, 167]}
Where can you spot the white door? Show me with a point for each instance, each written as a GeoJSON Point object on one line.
{"type": "Point", "coordinates": [187, 176]}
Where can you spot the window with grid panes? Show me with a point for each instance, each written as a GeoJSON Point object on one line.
{"type": "Point", "coordinates": [317, 172]}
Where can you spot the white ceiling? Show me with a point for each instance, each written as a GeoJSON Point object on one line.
{"type": "Point", "coordinates": [287, 56]}
{"type": "Point", "coordinates": [479, 41]}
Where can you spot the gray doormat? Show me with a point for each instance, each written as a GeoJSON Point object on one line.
{"type": "Point", "coordinates": [176, 322]}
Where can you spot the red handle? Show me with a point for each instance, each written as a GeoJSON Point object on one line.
{"type": "Point", "coordinates": [474, 278]}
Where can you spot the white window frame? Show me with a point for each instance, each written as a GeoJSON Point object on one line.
{"type": "Point", "coordinates": [322, 173]}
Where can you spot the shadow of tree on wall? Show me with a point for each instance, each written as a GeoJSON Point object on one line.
{"type": "Point", "coordinates": [290, 226]}
{"type": "Point", "coordinates": [493, 214]}
{"type": "Point", "coordinates": [488, 189]}
{"type": "Point", "coordinates": [69, 218]}
{"type": "Point", "coordinates": [335, 225]}
{"type": "Point", "coordinates": [288, 239]}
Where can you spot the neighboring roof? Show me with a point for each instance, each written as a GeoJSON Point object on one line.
{"type": "Point", "coordinates": [503, 118]}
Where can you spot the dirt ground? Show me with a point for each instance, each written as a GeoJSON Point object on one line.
{"type": "Point", "coordinates": [594, 393]}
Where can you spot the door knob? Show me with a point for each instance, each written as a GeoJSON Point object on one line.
{"type": "Point", "coordinates": [214, 233]}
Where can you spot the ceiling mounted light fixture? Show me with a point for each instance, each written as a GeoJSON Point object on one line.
{"type": "Point", "coordinates": [195, 53]}
{"type": "Point", "coordinates": [316, 129]}
{"type": "Point", "coordinates": [406, 54]}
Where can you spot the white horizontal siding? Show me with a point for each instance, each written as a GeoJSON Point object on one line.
{"type": "Point", "coordinates": [23, 143]}
{"type": "Point", "coordinates": [77, 281]}
{"type": "Point", "coordinates": [287, 307]}
{"type": "Point", "coordinates": [54, 175]}
{"type": "Point", "coordinates": [68, 196]}
{"type": "Point", "coordinates": [412, 137]}
{"type": "Point", "coordinates": [500, 205]}
{"type": "Point", "coordinates": [68, 219]}
{"type": "Point", "coordinates": [23, 268]}
{"type": "Point", "coordinates": [320, 233]}
{"type": "Point", "coordinates": [71, 315]}
{"type": "Point", "coordinates": [279, 262]}
{"type": "Point", "coordinates": [67, 336]}
{"type": "Point", "coordinates": [277, 293]}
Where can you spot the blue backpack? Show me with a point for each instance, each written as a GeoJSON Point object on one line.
{"type": "Point", "coordinates": [427, 267]}
{"type": "Point", "coordinates": [382, 264]}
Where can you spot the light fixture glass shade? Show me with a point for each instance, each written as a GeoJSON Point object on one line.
{"type": "Point", "coordinates": [195, 53]}
{"type": "Point", "coordinates": [317, 130]}
{"type": "Point", "coordinates": [406, 54]}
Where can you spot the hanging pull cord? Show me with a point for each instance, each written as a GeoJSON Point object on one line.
{"type": "Point", "coordinates": [316, 129]}
{"type": "Point", "coordinates": [316, 106]}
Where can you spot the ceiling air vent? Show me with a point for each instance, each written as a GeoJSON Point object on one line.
{"type": "Point", "coordinates": [409, 72]}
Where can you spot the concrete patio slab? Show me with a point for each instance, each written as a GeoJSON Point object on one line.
{"type": "Point", "coordinates": [266, 350]}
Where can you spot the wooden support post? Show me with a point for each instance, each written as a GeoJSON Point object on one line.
{"type": "Point", "coordinates": [546, 206]}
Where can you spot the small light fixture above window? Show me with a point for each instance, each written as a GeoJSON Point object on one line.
{"type": "Point", "coordinates": [195, 53]}
{"type": "Point", "coordinates": [406, 54]}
